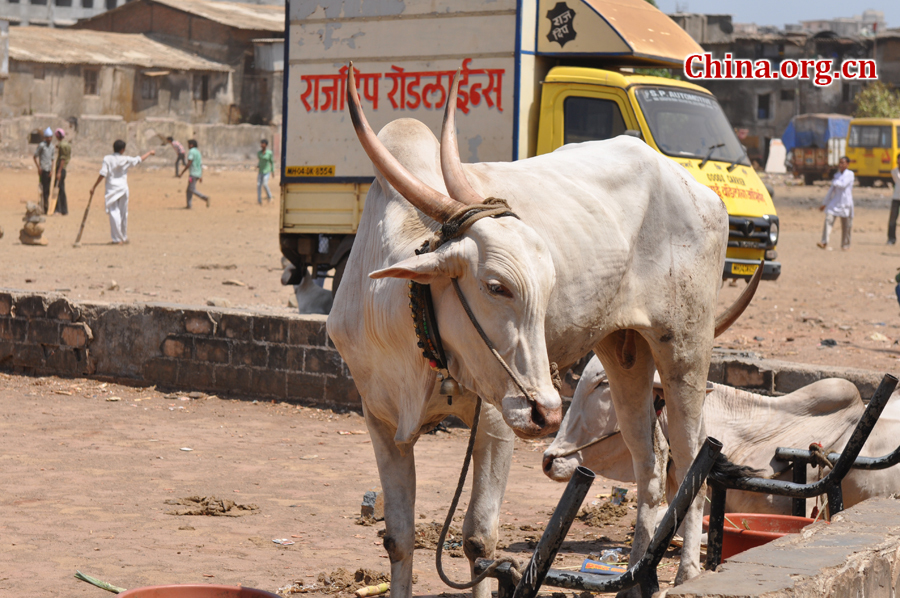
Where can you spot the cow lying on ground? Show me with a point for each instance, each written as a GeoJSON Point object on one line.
{"type": "Point", "coordinates": [605, 245]}
{"type": "Point", "coordinates": [750, 426]}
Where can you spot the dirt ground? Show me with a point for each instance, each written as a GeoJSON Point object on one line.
{"type": "Point", "coordinates": [86, 478]}
{"type": "Point", "coordinates": [90, 470]}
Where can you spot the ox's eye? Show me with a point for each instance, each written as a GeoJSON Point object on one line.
{"type": "Point", "coordinates": [495, 288]}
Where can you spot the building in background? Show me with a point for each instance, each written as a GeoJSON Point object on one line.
{"type": "Point", "coordinates": [75, 73]}
{"type": "Point", "coordinates": [224, 32]}
{"type": "Point", "coordinates": [760, 110]}
{"type": "Point", "coordinates": [52, 13]}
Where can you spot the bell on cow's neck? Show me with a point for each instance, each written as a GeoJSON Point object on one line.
{"type": "Point", "coordinates": [450, 388]}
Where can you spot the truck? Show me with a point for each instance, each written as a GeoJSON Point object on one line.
{"type": "Point", "coordinates": [534, 75]}
{"type": "Point", "coordinates": [814, 143]}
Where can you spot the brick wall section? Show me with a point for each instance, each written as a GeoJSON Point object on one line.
{"type": "Point", "coordinates": [174, 346]}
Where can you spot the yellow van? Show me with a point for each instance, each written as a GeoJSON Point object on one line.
{"type": "Point", "coordinates": [680, 120]}
{"type": "Point", "coordinates": [872, 146]}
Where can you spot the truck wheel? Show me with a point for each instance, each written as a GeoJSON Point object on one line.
{"type": "Point", "coordinates": [809, 179]}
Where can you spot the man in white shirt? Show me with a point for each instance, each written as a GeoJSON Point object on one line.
{"type": "Point", "coordinates": [895, 204]}
{"type": "Point", "coordinates": [839, 204]}
{"type": "Point", "coordinates": [115, 171]}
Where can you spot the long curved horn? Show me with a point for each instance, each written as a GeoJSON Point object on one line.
{"type": "Point", "coordinates": [432, 203]}
{"type": "Point", "coordinates": [730, 315]}
{"type": "Point", "coordinates": [451, 167]}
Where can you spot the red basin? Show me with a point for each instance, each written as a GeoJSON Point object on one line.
{"type": "Point", "coordinates": [755, 529]}
{"type": "Point", "coordinates": [196, 591]}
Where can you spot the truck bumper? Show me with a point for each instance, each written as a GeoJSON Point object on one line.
{"type": "Point", "coordinates": [746, 268]}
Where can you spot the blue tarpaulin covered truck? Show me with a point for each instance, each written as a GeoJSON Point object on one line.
{"type": "Point", "coordinates": [814, 143]}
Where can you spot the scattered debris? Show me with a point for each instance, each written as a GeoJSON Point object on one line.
{"type": "Point", "coordinates": [877, 336]}
{"type": "Point", "coordinates": [284, 541]}
{"type": "Point", "coordinates": [113, 399]}
{"type": "Point", "coordinates": [218, 302]}
{"type": "Point", "coordinates": [428, 534]}
{"type": "Point", "coordinates": [373, 590]}
{"type": "Point", "coordinates": [372, 506]}
{"type": "Point", "coordinates": [210, 506]}
{"type": "Point", "coordinates": [339, 581]}
{"type": "Point", "coordinates": [828, 342]}
{"type": "Point", "coordinates": [233, 282]}
{"type": "Point", "coordinates": [113, 286]}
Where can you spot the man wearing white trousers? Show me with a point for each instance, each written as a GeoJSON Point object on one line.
{"type": "Point", "coordinates": [115, 171]}
{"type": "Point", "coordinates": [839, 204]}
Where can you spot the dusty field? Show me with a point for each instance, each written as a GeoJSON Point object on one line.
{"type": "Point", "coordinates": [86, 479]}
{"type": "Point", "coordinates": [185, 256]}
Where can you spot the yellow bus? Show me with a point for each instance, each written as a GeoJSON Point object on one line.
{"type": "Point", "coordinates": [872, 147]}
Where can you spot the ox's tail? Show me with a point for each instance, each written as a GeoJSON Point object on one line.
{"type": "Point", "coordinates": [725, 469]}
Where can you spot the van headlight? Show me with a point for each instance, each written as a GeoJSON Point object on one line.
{"type": "Point", "coordinates": [773, 233]}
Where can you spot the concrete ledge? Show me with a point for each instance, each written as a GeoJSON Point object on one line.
{"type": "Point", "coordinates": [858, 554]}
{"type": "Point", "coordinates": [175, 346]}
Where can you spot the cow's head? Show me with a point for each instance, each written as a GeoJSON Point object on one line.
{"type": "Point", "coordinates": [504, 270]}
{"type": "Point", "coordinates": [590, 417]}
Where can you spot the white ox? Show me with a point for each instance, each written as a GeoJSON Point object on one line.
{"type": "Point", "coordinates": [615, 249]}
{"type": "Point", "coordinates": [749, 425]}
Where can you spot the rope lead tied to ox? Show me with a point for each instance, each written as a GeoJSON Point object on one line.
{"type": "Point", "coordinates": [514, 565]}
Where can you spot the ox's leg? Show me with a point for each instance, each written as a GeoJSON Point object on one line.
{"type": "Point", "coordinates": [629, 365]}
{"type": "Point", "coordinates": [491, 458]}
{"type": "Point", "coordinates": [398, 482]}
{"type": "Point", "coordinates": [683, 367]}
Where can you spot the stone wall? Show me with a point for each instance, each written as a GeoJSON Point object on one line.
{"type": "Point", "coordinates": [772, 376]}
{"type": "Point", "coordinates": [174, 346]}
{"type": "Point", "coordinates": [92, 136]}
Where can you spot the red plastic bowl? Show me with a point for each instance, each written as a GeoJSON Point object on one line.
{"type": "Point", "coordinates": [763, 529]}
{"type": "Point", "coordinates": [196, 591]}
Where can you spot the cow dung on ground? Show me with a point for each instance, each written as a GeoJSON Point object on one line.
{"type": "Point", "coordinates": [602, 514]}
{"type": "Point", "coordinates": [339, 581]}
{"type": "Point", "coordinates": [210, 506]}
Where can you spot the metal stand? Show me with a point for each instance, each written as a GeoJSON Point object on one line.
{"type": "Point", "coordinates": [830, 485]}
{"type": "Point", "coordinates": [642, 573]}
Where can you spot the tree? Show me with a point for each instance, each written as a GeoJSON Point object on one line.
{"type": "Point", "coordinates": [877, 101]}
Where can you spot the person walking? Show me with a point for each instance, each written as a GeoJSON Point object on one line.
{"type": "Point", "coordinates": [64, 156]}
{"type": "Point", "coordinates": [179, 156]}
{"type": "Point", "coordinates": [839, 204]}
{"type": "Point", "coordinates": [195, 166]}
{"type": "Point", "coordinates": [895, 204]}
{"type": "Point", "coordinates": [43, 159]}
{"type": "Point", "coordinates": [115, 171]}
{"type": "Point", "coordinates": [266, 166]}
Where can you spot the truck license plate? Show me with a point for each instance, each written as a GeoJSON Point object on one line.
{"type": "Point", "coordinates": [310, 171]}
{"type": "Point", "coordinates": [744, 269]}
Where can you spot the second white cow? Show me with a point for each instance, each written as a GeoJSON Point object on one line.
{"type": "Point", "coordinates": [749, 425]}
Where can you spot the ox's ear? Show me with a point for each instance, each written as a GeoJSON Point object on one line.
{"type": "Point", "coordinates": [425, 268]}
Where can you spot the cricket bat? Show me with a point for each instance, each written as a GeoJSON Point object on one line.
{"type": "Point", "coordinates": [54, 196]}
{"type": "Point", "coordinates": [83, 221]}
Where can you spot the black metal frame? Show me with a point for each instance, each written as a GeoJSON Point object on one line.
{"type": "Point", "coordinates": [642, 573]}
{"type": "Point", "coordinates": [798, 489]}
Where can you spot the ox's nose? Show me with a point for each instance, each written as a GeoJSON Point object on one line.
{"type": "Point", "coordinates": [547, 464]}
{"type": "Point", "coordinates": [548, 420]}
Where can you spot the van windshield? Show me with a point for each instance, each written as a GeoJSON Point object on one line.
{"type": "Point", "coordinates": [686, 124]}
